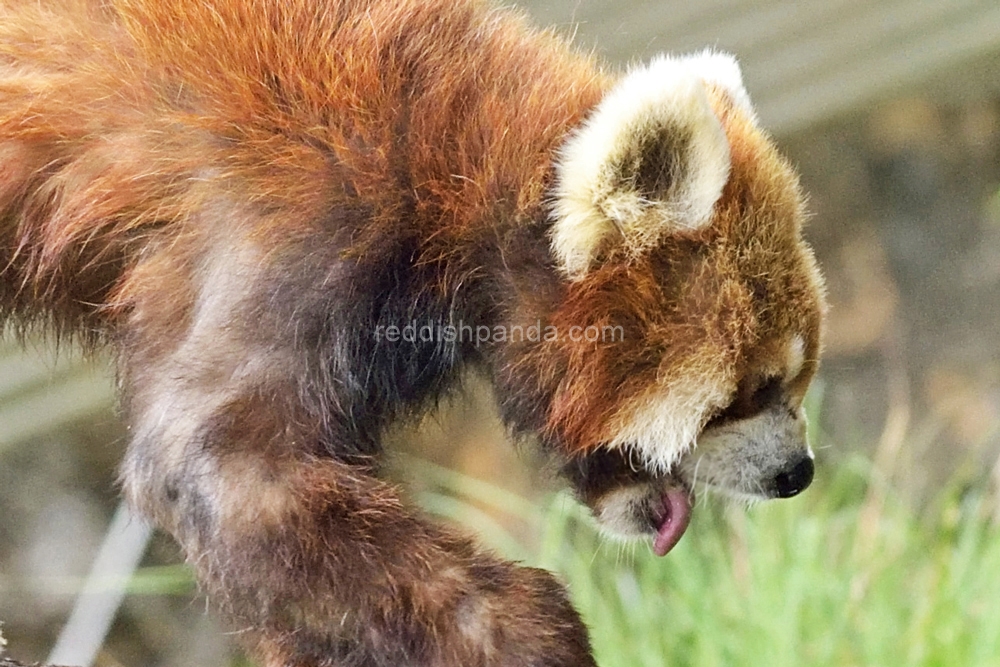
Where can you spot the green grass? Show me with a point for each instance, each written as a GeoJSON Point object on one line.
{"type": "Point", "coordinates": [842, 575]}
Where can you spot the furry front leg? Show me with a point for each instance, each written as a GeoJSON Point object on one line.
{"type": "Point", "coordinates": [318, 563]}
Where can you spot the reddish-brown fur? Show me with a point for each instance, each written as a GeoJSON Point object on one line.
{"type": "Point", "coordinates": [114, 126]}
{"type": "Point", "coordinates": [234, 194]}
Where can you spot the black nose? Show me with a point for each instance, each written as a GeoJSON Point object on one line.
{"type": "Point", "coordinates": [795, 479]}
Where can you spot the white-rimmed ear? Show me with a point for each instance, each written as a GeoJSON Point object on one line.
{"type": "Point", "coordinates": [651, 160]}
{"type": "Point", "coordinates": [722, 70]}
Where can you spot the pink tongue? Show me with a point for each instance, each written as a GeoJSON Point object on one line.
{"type": "Point", "coordinates": [677, 508]}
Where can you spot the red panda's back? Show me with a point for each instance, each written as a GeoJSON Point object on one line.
{"type": "Point", "coordinates": [121, 120]}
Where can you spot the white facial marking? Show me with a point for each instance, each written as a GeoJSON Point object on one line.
{"type": "Point", "coordinates": [664, 425]}
{"type": "Point", "coordinates": [619, 512]}
{"type": "Point", "coordinates": [796, 356]}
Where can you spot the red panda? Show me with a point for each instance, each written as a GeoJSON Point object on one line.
{"type": "Point", "coordinates": [248, 201]}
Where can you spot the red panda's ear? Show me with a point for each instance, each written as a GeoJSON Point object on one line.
{"type": "Point", "coordinates": [651, 160]}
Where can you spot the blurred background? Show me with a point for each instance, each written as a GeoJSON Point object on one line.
{"type": "Point", "coordinates": [891, 111]}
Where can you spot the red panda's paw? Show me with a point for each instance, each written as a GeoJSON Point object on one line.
{"type": "Point", "coordinates": [516, 617]}
{"type": "Point", "coordinates": [541, 626]}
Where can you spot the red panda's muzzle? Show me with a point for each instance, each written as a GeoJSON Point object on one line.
{"type": "Point", "coordinates": [631, 501]}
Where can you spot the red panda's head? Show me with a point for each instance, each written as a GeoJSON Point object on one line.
{"type": "Point", "coordinates": [677, 228]}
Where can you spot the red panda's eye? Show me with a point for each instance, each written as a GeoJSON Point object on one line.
{"type": "Point", "coordinates": [766, 394]}
{"type": "Point", "coordinates": [749, 401]}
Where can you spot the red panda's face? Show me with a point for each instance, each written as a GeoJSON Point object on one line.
{"type": "Point", "coordinates": [678, 228]}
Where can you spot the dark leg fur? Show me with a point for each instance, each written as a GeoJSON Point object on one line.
{"type": "Point", "coordinates": [255, 450]}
